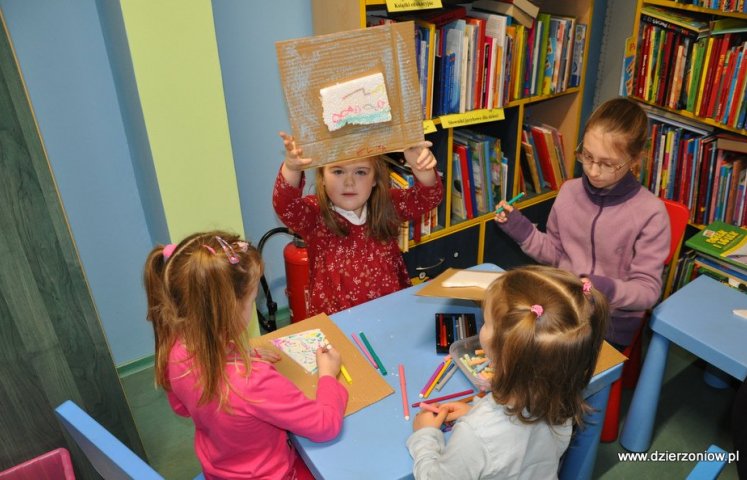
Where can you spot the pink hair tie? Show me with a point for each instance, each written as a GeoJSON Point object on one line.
{"type": "Point", "coordinates": [586, 288]}
{"type": "Point", "coordinates": [168, 250]}
{"type": "Point", "coordinates": [537, 310]}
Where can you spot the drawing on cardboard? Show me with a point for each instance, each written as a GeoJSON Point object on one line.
{"type": "Point", "coordinates": [362, 101]}
{"type": "Point", "coordinates": [301, 347]}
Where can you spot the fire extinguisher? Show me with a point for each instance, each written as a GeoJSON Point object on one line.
{"type": "Point", "coordinates": [297, 280]}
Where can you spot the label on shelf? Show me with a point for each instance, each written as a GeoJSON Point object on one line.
{"type": "Point", "coordinates": [472, 117]}
{"type": "Point", "coordinates": [405, 5]}
{"type": "Point", "coordinates": [428, 126]}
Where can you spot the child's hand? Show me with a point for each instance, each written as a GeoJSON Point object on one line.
{"type": "Point", "coordinates": [265, 354]}
{"type": "Point", "coordinates": [419, 157]}
{"type": "Point", "coordinates": [328, 361]}
{"type": "Point", "coordinates": [455, 410]}
{"type": "Point", "coordinates": [503, 216]}
{"type": "Point", "coordinates": [293, 154]}
{"type": "Point", "coordinates": [427, 419]}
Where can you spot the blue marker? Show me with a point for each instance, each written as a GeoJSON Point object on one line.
{"type": "Point", "coordinates": [510, 202]}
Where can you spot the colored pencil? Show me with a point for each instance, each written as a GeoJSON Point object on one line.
{"type": "Point", "coordinates": [438, 377]}
{"type": "Point", "coordinates": [449, 373]}
{"type": "Point", "coordinates": [363, 349]}
{"type": "Point", "coordinates": [345, 374]}
{"type": "Point", "coordinates": [373, 353]}
{"type": "Point", "coordinates": [430, 380]}
{"type": "Point", "coordinates": [446, 397]}
{"type": "Point", "coordinates": [428, 406]}
{"type": "Point", "coordinates": [403, 389]}
{"type": "Point", "coordinates": [510, 202]}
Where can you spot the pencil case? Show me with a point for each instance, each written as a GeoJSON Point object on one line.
{"type": "Point", "coordinates": [451, 327]}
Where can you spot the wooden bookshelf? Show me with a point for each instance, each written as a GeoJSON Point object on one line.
{"type": "Point", "coordinates": [476, 240]}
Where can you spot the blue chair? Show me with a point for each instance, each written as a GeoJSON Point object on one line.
{"type": "Point", "coordinates": [110, 457]}
{"type": "Point", "coordinates": [709, 470]}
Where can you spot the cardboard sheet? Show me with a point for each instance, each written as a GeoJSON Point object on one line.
{"type": "Point", "coordinates": [309, 65]}
{"type": "Point", "coordinates": [436, 288]}
{"type": "Point", "coordinates": [367, 388]}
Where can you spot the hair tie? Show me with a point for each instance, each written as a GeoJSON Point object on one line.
{"type": "Point", "coordinates": [586, 288]}
{"type": "Point", "coordinates": [168, 250]}
{"type": "Point", "coordinates": [537, 310]}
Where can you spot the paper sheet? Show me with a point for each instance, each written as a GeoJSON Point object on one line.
{"type": "Point", "coordinates": [301, 347]}
{"type": "Point", "coordinates": [471, 278]}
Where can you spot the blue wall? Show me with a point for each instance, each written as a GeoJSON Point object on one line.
{"type": "Point", "coordinates": [63, 57]}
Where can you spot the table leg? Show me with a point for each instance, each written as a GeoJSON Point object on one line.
{"type": "Point", "coordinates": [582, 452]}
{"type": "Point", "coordinates": [639, 424]}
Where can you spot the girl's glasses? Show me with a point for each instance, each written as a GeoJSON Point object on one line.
{"type": "Point", "coordinates": [587, 160]}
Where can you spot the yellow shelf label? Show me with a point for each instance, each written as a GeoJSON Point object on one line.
{"type": "Point", "coordinates": [470, 118]}
{"type": "Point", "coordinates": [428, 126]}
{"type": "Point", "coordinates": [405, 5]}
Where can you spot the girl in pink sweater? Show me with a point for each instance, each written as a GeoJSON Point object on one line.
{"type": "Point", "coordinates": [200, 298]}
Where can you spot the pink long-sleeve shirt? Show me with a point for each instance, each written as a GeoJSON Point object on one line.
{"type": "Point", "coordinates": [251, 439]}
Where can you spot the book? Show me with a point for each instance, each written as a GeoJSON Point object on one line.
{"type": "Point", "coordinates": [529, 7]}
{"type": "Point", "coordinates": [579, 42]}
{"type": "Point", "coordinates": [732, 143]}
{"type": "Point", "coordinates": [722, 241]}
{"type": "Point", "coordinates": [503, 8]}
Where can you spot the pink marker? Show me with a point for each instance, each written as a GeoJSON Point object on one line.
{"type": "Point", "coordinates": [364, 350]}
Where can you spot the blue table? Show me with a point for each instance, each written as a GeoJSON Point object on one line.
{"type": "Point", "coordinates": [401, 329]}
{"type": "Point", "coordinates": [698, 318]}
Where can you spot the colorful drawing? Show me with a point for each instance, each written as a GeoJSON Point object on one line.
{"type": "Point", "coordinates": [361, 101]}
{"type": "Point", "coordinates": [301, 347]}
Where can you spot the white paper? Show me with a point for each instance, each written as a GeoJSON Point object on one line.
{"type": "Point", "coordinates": [471, 278]}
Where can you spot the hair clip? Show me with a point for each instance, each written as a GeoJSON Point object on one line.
{"type": "Point", "coordinates": [537, 310]}
{"type": "Point", "coordinates": [242, 246]}
{"type": "Point", "coordinates": [209, 248]}
{"type": "Point", "coordinates": [168, 250]}
{"type": "Point", "coordinates": [586, 288]}
{"type": "Point", "coordinates": [233, 259]}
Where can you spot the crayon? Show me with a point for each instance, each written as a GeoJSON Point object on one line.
{"type": "Point", "coordinates": [373, 353]}
{"type": "Point", "coordinates": [510, 202]}
{"type": "Point", "coordinates": [449, 373]}
{"type": "Point", "coordinates": [345, 374]}
{"type": "Point", "coordinates": [438, 377]}
{"type": "Point", "coordinates": [429, 407]}
{"type": "Point", "coordinates": [430, 380]}
{"type": "Point", "coordinates": [363, 349]}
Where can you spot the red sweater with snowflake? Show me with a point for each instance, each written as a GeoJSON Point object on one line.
{"type": "Point", "coordinates": [347, 271]}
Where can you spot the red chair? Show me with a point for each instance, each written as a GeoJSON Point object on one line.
{"type": "Point", "coordinates": [679, 216]}
{"type": "Point", "coordinates": [53, 465]}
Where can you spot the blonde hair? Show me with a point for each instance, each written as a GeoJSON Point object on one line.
{"type": "Point", "coordinates": [196, 295]}
{"type": "Point", "coordinates": [382, 223]}
{"type": "Point", "coordinates": [542, 363]}
{"type": "Point", "coordinates": [624, 119]}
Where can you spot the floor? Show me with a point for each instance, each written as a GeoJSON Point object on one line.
{"type": "Point", "coordinates": [691, 417]}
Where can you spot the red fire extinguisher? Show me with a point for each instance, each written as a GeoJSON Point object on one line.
{"type": "Point", "coordinates": [297, 278]}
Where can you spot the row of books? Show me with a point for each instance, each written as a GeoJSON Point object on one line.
{"type": "Point", "coordinates": [473, 57]}
{"type": "Point", "coordinates": [480, 175]}
{"type": "Point", "coordinates": [723, 5]}
{"type": "Point", "coordinates": [719, 251]}
{"type": "Point", "coordinates": [542, 159]}
{"type": "Point", "coordinates": [687, 63]}
{"type": "Point", "coordinates": [401, 176]}
{"type": "Point", "coordinates": [706, 171]}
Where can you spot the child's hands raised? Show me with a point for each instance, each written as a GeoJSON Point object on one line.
{"type": "Point", "coordinates": [328, 361]}
{"type": "Point", "coordinates": [294, 160]}
{"type": "Point", "coordinates": [419, 157]}
{"type": "Point", "coordinates": [428, 419]}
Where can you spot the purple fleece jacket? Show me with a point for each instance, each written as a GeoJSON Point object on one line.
{"type": "Point", "coordinates": [619, 238]}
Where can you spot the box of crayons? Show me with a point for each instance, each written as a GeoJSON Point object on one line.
{"type": "Point", "coordinates": [451, 327]}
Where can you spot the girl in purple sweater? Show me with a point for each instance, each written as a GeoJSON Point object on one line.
{"type": "Point", "coordinates": [605, 226]}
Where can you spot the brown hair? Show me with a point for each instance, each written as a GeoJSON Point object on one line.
{"type": "Point", "coordinates": [542, 363]}
{"type": "Point", "coordinates": [625, 119]}
{"type": "Point", "coordinates": [196, 296]}
{"type": "Point", "coordinates": [383, 222]}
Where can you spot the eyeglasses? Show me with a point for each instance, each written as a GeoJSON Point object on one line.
{"type": "Point", "coordinates": [587, 160]}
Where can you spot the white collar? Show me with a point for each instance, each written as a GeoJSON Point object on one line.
{"type": "Point", "coordinates": [350, 216]}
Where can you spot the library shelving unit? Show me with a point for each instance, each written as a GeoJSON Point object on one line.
{"type": "Point", "coordinates": [468, 242]}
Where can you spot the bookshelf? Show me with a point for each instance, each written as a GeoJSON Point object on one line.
{"type": "Point", "coordinates": [689, 72]}
{"type": "Point", "coordinates": [462, 242]}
